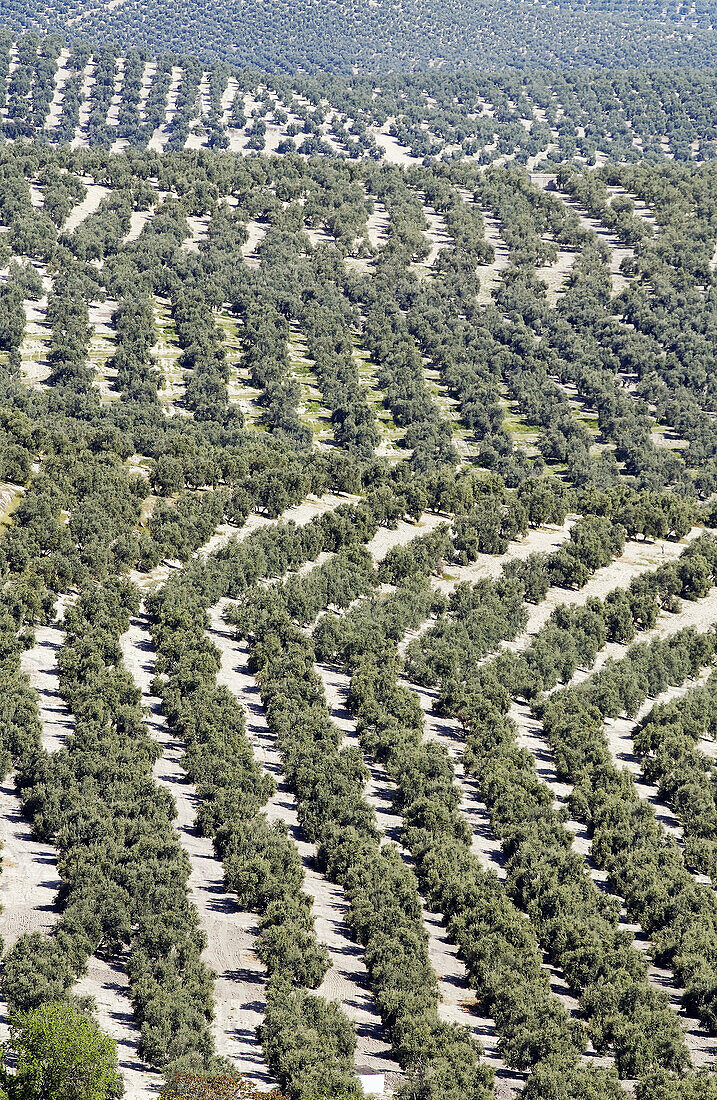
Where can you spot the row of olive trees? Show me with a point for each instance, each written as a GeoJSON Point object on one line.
{"type": "Point", "coordinates": [644, 867]}
{"type": "Point", "coordinates": [668, 744]}
{"type": "Point", "coordinates": [124, 873]}
{"type": "Point", "coordinates": [384, 911]}
{"type": "Point", "coordinates": [507, 782]}
{"type": "Point", "coordinates": [572, 114]}
{"type": "Point", "coordinates": [308, 1042]}
{"type": "Point", "coordinates": [499, 947]}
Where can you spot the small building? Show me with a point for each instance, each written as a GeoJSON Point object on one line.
{"type": "Point", "coordinates": [372, 1081]}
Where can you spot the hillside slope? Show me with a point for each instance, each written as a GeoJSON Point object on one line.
{"type": "Point", "coordinates": [376, 35]}
{"type": "Point", "coordinates": [353, 518]}
{"type": "Point", "coordinates": [108, 99]}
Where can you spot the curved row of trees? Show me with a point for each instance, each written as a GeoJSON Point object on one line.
{"type": "Point", "coordinates": [384, 912]}
{"type": "Point", "coordinates": [679, 914]}
{"type": "Point", "coordinates": [261, 864]}
{"type": "Point", "coordinates": [496, 942]}
{"type": "Point", "coordinates": [507, 782]}
{"type": "Point", "coordinates": [124, 875]}
{"type": "Point", "coordinates": [670, 744]}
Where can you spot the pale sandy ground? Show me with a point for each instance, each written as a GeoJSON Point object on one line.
{"type": "Point", "coordinates": [318, 235]}
{"type": "Point", "coordinates": [617, 250]}
{"type": "Point", "coordinates": [489, 274]}
{"type": "Point", "coordinates": [713, 261]}
{"type": "Point", "coordinates": [9, 498]}
{"type": "Point", "coordinates": [437, 234]}
{"type": "Point", "coordinates": [237, 139]}
{"type": "Point", "coordinates": [89, 205]}
{"type": "Point", "coordinates": [159, 137]}
{"type": "Point", "coordinates": [393, 151]}
{"type": "Point", "coordinates": [702, 1047]}
{"type": "Point", "coordinates": [239, 390]}
{"type": "Point", "coordinates": [256, 232]}
{"type": "Point", "coordinates": [404, 532]}
{"type": "Point", "coordinates": [197, 232]}
{"type": "Point", "coordinates": [106, 982]}
{"type": "Point", "coordinates": [137, 221]}
{"type": "Point", "coordinates": [197, 136]}
{"type": "Point", "coordinates": [150, 68]}
{"type": "Point", "coordinates": [61, 77]}
{"type": "Point", "coordinates": [205, 103]}
{"type": "Point", "coordinates": [113, 110]}
{"type": "Point", "coordinates": [88, 82]}
{"type": "Point", "coordinates": [555, 275]}
{"type": "Point", "coordinates": [40, 665]}
{"type": "Point", "coordinates": [119, 145]}
{"type": "Point", "coordinates": [34, 350]}
{"type": "Point", "coordinates": [300, 514]}
{"type": "Point", "coordinates": [28, 884]}
{"type": "Point", "coordinates": [663, 436]}
{"type": "Point", "coordinates": [337, 148]}
{"type": "Point", "coordinates": [700, 614]}
{"type": "Point", "coordinates": [450, 734]}
{"type": "Point", "coordinates": [228, 96]}
{"type": "Point", "coordinates": [29, 880]}
{"type": "Point", "coordinates": [166, 353]}
{"type": "Point", "coordinates": [102, 347]}
{"type": "Point", "coordinates": [377, 224]}
{"type": "Point", "coordinates": [173, 94]}
{"type": "Point", "coordinates": [245, 397]}
{"type": "Point", "coordinates": [275, 134]}
{"type": "Point", "coordinates": [307, 509]}
{"type": "Point", "coordinates": [347, 980]}
{"type": "Point", "coordinates": [637, 558]}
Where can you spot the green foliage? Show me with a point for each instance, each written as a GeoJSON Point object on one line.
{"type": "Point", "coordinates": [61, 1054]}
{"type": "Point", "coordinates": [309, 1044]}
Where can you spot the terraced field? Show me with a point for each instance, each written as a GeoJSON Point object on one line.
{"type": "Point", "coordinates": [121, 100]}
